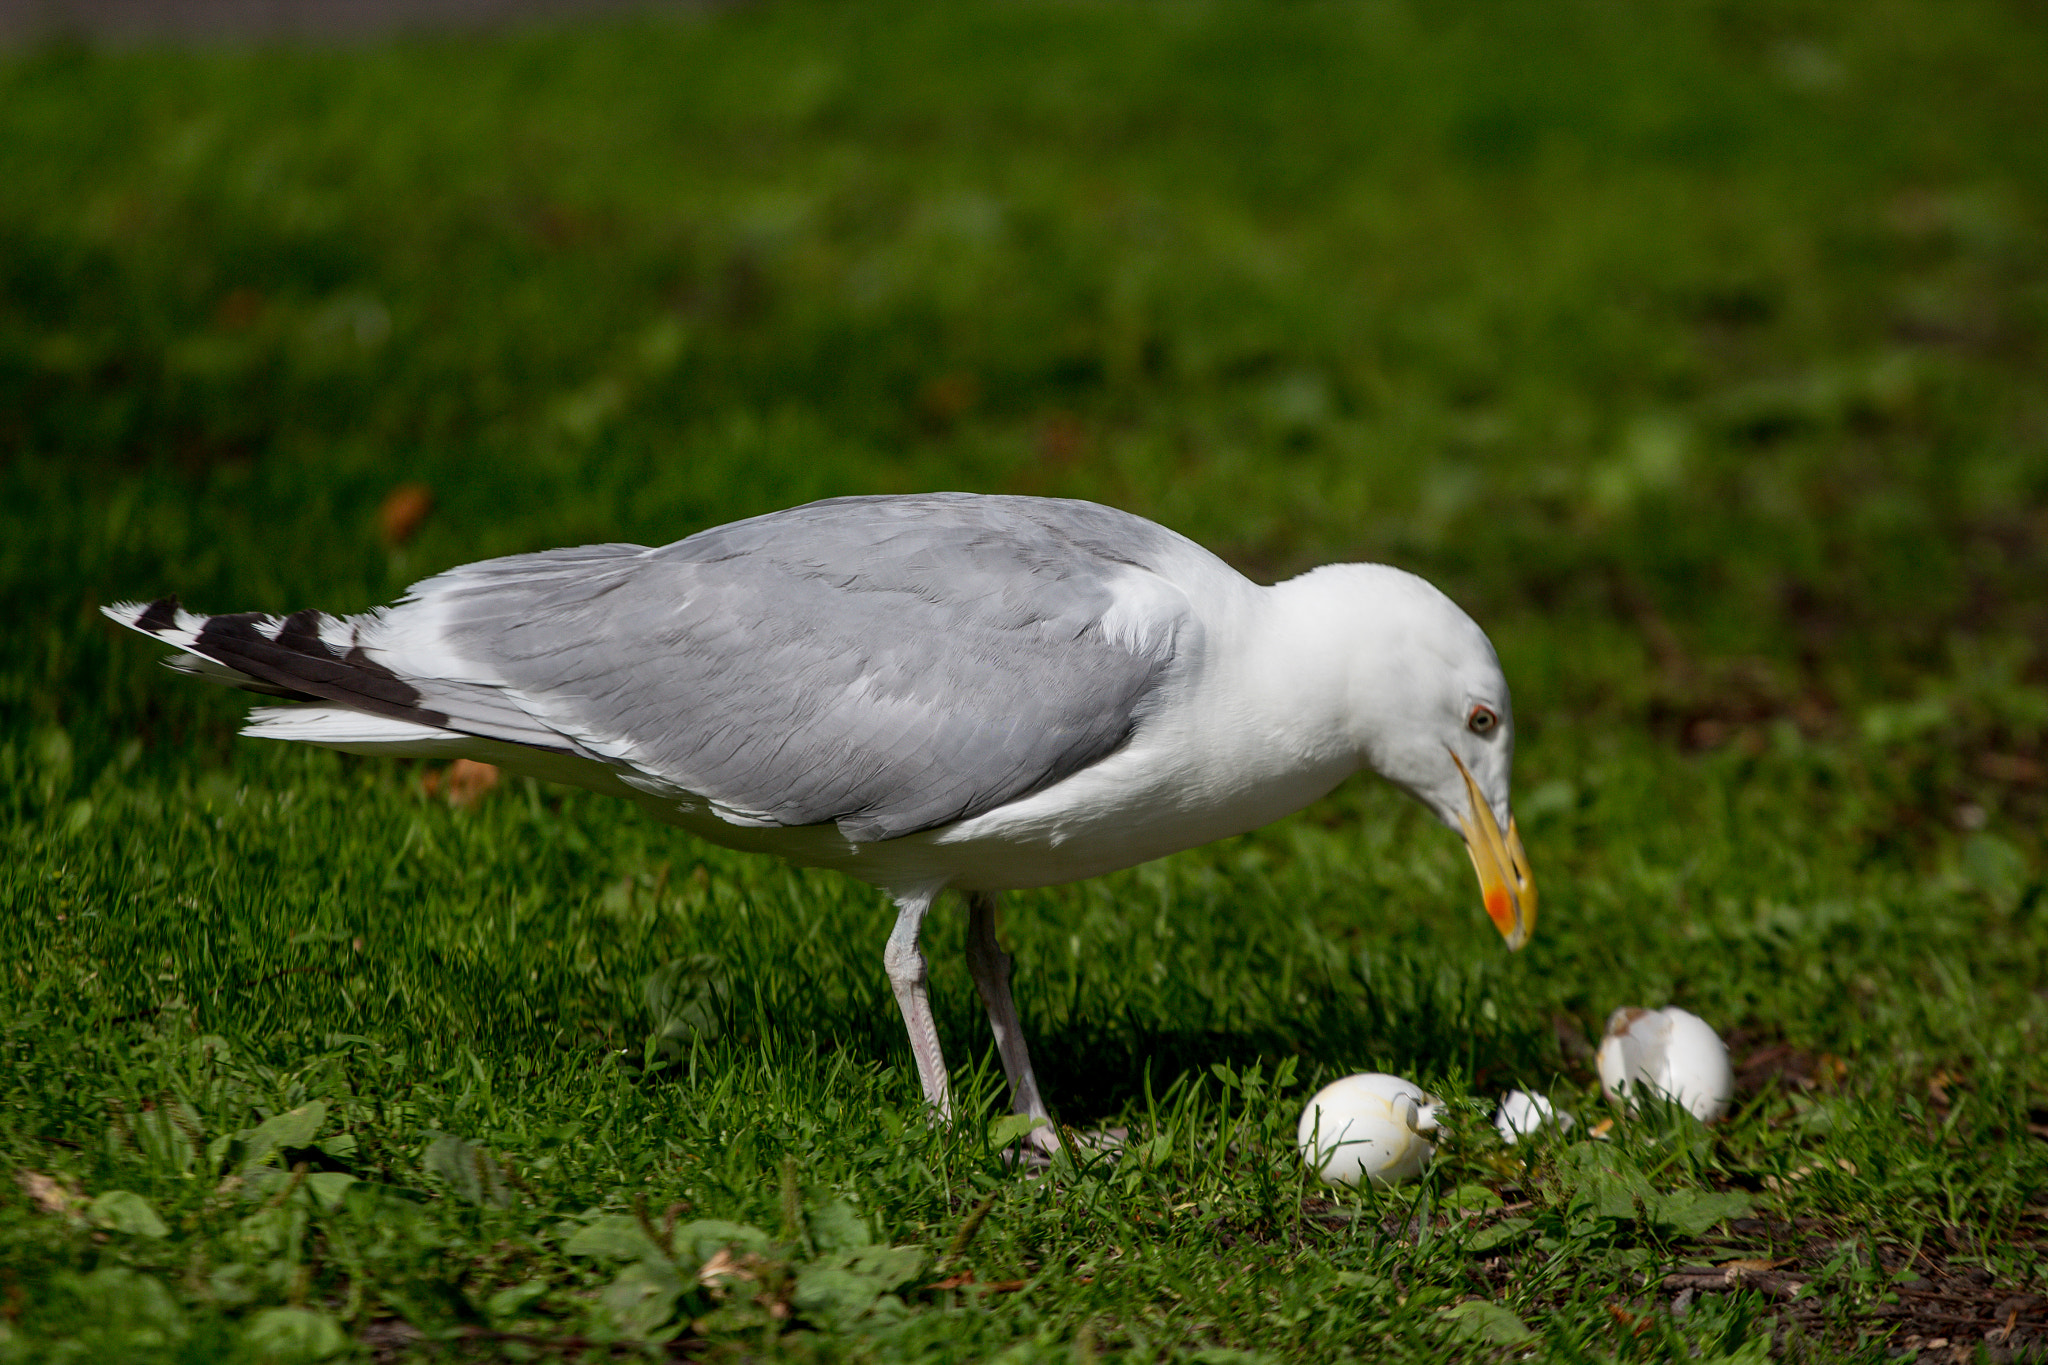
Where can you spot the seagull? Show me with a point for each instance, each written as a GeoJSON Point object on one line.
{"type": "Point", "coordinates": [932, 692]}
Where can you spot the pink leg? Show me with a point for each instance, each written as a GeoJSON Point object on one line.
{"type": "Point", "coordinates": [990, 967]}
{"type": "Point", "coordinates": [904, 961]}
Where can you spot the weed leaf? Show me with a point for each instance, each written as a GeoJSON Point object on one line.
{"type": "Point", "coordinates": [129, 1306]}
{"type": "Point", "coordinates": [642, 1298]}
{"type": "Point", "coordinates": [683, 999]}
{"type": "Point", "coordinates": [832, 1297]}
{"type": "Point", "coordinates": [841, 1288]}
{"type": "Point", "coordinates": [1506, 1231]}
{"type": "Point", "coordinates": [510, 1302]}
{"type": "Point", "coordinates": [701, 1240]}
{"type": "Point", "coordinates": [1599, 1186]}
{"type": "Point", "coordinates": [245, 1151]}
{"type": "Point", "coordinates": [124, 1211]}
{"type": "Point", "coordinates": [285, 1335]}
{"type": "Point", "coordinates": [329, 1189]}
{"type": "Point", "coordinates": [1011, 1128]}
{"type": "Point", "coordinates": [168, 1135]}
{"type": "Point", "coordinates": [469, 1170]}
{"type": "Point", "coordinates": [617, 1237]}
{"type": "Point", "coordinates": [1690, 1213]}
{"type": "Point", "coordinates": [838, 1226]}
{"type": "Point", "coordinates": [1484, 1321]}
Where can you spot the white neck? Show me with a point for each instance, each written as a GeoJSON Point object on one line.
{"type": "Point", "coordinates": [1383, 665]}
{"type": "Point", "coordinates": [1295, 675]}
{"type": "Point", "coordinates": [1254, 732]}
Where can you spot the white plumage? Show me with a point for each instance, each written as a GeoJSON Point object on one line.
{"type": "Point", "coordinates": [927, 693]}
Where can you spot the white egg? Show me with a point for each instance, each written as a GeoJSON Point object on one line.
{"type": "Point", "coordinates": [1666, 1052]}
{"type": "Point", "coordinates": [1368, 1127]}
{"type": "Point", "coordinates": [1522, 1113]}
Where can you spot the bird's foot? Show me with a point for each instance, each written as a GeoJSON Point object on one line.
{"type": "Point", "coordinates": [1046, 1145]}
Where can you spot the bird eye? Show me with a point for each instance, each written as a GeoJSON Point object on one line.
{"type": "Point", "coordinates": [1482, 720]}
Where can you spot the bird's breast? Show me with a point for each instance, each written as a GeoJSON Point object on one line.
{"type": "Point", "coordinates": [1160, 794]}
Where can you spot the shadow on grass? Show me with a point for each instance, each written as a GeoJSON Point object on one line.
{"type": "Point", "coordinates": [1411, 1016]}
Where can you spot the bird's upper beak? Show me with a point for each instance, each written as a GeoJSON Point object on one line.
{"type": "Point", "coordinates": [1504, 880]}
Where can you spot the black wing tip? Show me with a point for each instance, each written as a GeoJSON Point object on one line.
{"type": "Point", "coordinates": [158, 616]}
{"type": "Point", "coordinates": [298, 659]}
{"type": "Point", "coordinates": [295, 663]}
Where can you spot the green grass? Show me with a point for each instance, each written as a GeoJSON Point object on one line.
{"type": "Point", "coordinates": [1696, 348]}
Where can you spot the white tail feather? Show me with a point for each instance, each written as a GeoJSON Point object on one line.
{"type": "Point", "coordinates": [357, 732]}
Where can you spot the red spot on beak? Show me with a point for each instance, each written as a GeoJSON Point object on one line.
{"type": "Point", "coordinates": [1500, 907]}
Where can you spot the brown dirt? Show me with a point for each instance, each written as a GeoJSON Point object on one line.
{"type": "Point", "coordinates": [1932, 1302]}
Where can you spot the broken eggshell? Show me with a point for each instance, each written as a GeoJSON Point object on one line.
{"type": "Point", "coordinates": [1368, 1127]}
{"type": "Point", "coordinates": [1522, 1113]}
{"type": "Point", "coordinates": [1667, 1052]}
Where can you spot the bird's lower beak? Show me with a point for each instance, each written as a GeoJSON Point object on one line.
{"type": "Point", "coordinates": [1504, 881]}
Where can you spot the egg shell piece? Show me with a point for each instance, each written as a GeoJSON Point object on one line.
{"type": "Point", "coordinates": [1671, 1052]}
{"type": "Point", "coordinates": [1368, 1127]}
{"type": "Point", "coordinates": [1522, 1113]}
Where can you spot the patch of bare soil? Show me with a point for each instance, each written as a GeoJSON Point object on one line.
{"type": "Point", "coordinates": [1941, 1309]}
{"type": "Point", "coordinates": [1930, 1302]}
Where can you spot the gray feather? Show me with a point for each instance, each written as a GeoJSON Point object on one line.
{"type": "Point", "coordinates": [891, 664]}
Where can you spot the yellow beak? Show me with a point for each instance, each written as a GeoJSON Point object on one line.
{"type": "Point", "coordinates": [1504, 881]}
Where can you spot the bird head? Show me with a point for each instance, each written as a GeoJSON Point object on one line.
{"type": "Point", "coordinates": [1429, 711]}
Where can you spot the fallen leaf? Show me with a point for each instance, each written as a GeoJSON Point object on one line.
{"type": "Point", "coordinates": [1062, 439]}
{"type": "Point", "coordinates": [49, 1195]}
{"type": "Point", "coordinates": [1635, 1323]}
{"type": "Point", "coordinates": [468, 780]}
{"type": "Point", "coordinates": [949, 397]}
{"type": "Point", "coordinates": [238, 308]}
{"type": "Point", "coordinates": [462, 782]}
{"type": "Point", "coordinates": [403, 509]}
{"type": "Point", "coordinates": [965, 1279]}
{"type": "Point", "coordinates": [1937, 1087]}
{"type": "Point", "coordinates": [1749, 1264]}
{"type": "Point", "coordinates": [2010, 768]}
{"type": "Point", "coordinates": [724, 1266]}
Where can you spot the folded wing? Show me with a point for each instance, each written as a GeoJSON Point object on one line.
{"type": "Point", "coordinates": [888, 664]}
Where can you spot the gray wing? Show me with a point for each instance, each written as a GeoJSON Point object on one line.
{"type": "Point", "coordinates": [891, 664]}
